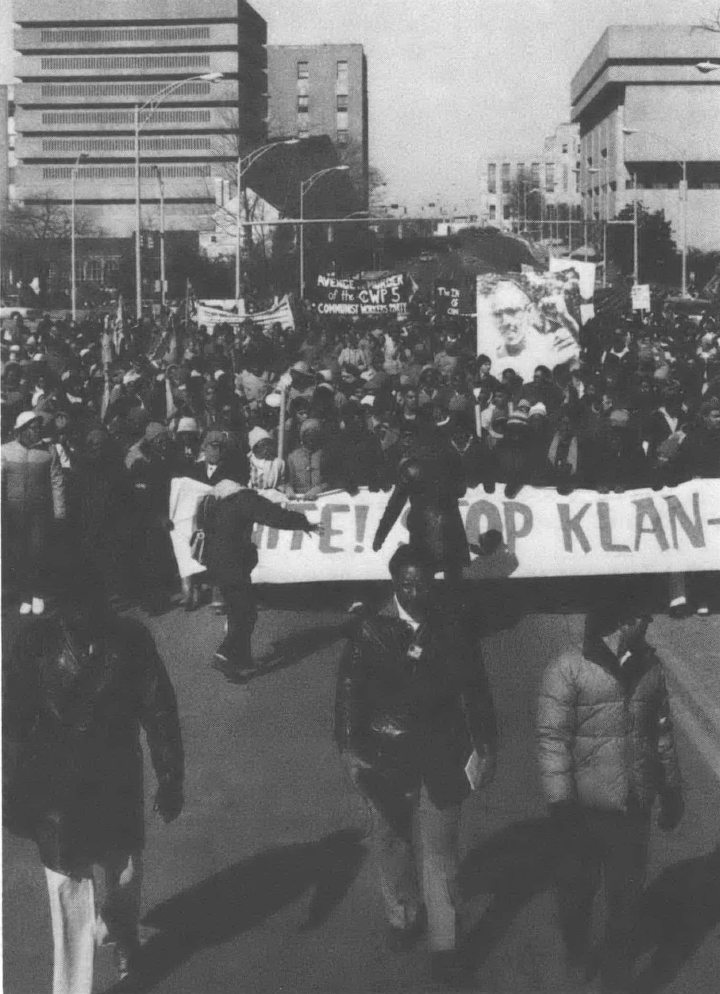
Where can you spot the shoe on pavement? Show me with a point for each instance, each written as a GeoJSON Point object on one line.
{"type": "Point", "coordinates": [677, 607]}
{"type": "Point", "coordinates": [402, 940]}
{"type": "Point", "coordinates": [451, 970]}
{"type": "Point", "coordinates": [703, 610]}
{"type": "Point", "coordinates": [126, 961]}
{"type": "Point", "coordinates": [26, 607]}
{"type": "Point", "coordinates": [231, 671]}
{"type": "Point", "coordinates": [38, 605]}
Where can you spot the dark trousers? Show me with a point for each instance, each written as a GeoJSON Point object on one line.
{"type": "Point", "coordinates": [611, 845]}
{"type": "Point", "coordinates": [241, 618]}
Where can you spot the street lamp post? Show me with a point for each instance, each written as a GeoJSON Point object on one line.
{"type": "Point", "coordinates": [161, 186]}
{"type": "Point", "coordinates": [683, 192]}
{"type": "Point", "coordinates": [151, 106]}
{"type": "Point", "coordinates": [73, 284]}
{"type": "Point", "coordinates": [243, 164]}
{"type": "Point", "coordinates": [305, 186]}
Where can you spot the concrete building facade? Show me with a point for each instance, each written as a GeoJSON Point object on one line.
{"type": "Point", "coordinates": [82, 69]}
{"type": "Point", "coordinates": [642, 106]}
{"type": "Point", "coordinates": [549, 175]}
{"type": "Point", "coordinates": [322, 90]}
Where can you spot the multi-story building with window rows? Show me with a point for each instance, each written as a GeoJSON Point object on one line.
{"type": "Point", "coordinates": [83, 67]}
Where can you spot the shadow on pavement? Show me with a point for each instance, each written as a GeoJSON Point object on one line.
{"type": "Point", "coordinates": [512, 866]}
{"type": "Point", "coordinates": [243, 896]}
{"type": "Point", "coordinates": [299, 645]}
{"type": "Point", "coordinates": [680, 908]}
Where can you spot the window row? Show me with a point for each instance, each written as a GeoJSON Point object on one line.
{"type": "Point", "coordinates": [193, 143]}
{"type": "Point", "coordinates": [198, 88]}
{"type": "Point", "coordinates": [124, 117]}
{"type": "Point", "coordinates": [92, 35]}
{"type": "Point", "coordinates": [105, 62]}
{"type": "Point", "coordinates": [127, 172]}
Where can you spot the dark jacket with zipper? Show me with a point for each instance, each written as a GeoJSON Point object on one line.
{"type": "Point", "coordinates": [414, 706]}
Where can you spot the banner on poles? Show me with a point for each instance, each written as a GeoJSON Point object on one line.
{"type": "Point", "coordinates": [539, 533]}
{"type": "Point", "coordinates": [356, 297]}
{"type": "Point", "coordinates": [210, 314]}
{"type": "Point", "coordinates": [528, 320]}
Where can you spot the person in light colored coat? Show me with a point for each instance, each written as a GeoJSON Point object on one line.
{"type": "Point", "coordinates": [33, 497]}
{"type": "Point", "coordinates": [607, 752]}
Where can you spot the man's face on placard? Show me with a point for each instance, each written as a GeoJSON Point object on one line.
{"type": "Point", "coordinates": [511, 309]}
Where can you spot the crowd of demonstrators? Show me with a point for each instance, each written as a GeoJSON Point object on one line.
{"type": "Point", "coordinates": [98, 418]}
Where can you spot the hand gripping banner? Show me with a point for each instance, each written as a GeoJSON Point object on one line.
{"type": "Point", "coordinates": [539, 533]}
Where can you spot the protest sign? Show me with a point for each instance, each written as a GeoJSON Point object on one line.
{"type": "Point", "coordinates": [208, 313]}
{"type": "Point", "coordinates": [454, 297]}
{"type": "Point", "coordinates": [356, 297]}
{"type": "Point", "coordinates": [528, 320]}
{"type": "Point", "coordinates": [537, 534]}
{"type": "Point", "coordinates": [640, 296]}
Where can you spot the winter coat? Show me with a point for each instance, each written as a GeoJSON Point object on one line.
{"type": "Point", "coordinates": [32, 481]}
{"type": "Point", "coordinates": [229, 523]}
{"type": "Point", "coordinates": [74, 771]}
{"type": "Point", "coordinates": [414, 706]}
{"type": "Point", "coordinates": [434, 520]}
{"type": "Point", "coordinates": [604, 730]}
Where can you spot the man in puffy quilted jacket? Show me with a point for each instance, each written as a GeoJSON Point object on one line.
{"type": "Point", "coordinates": [606, 752]}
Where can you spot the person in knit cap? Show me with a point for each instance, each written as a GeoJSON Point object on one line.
{"type": "Point", "coordinates": [266, 470]}
{"type": "Point", "coordinates": [33, 498]}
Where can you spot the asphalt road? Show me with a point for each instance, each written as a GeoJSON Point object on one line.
{"type": "Point", "coordinates": [265, 882]}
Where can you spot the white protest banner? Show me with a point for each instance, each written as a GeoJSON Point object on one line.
{"type": "Point", "coordinates": [539, 533]}
{"type": "Point", "coordinates": [528, 320]}
{"type": "Point", "coordinates": [640, 296]}
{"type": "Point", "coordinates": [209, 314]}
{"type": "Point", "coordinates": [184, 497]}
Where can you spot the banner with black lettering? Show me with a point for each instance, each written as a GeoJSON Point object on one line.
{"type": "Point", "coordinates": [356, 297]}
{"type": "Point", "coordinates": [539, 533]}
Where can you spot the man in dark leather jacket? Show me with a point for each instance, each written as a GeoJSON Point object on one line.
{"type": "Point", "coordinates": [78, 687]}
{"type": "Point", "coordinates": [415, 725]}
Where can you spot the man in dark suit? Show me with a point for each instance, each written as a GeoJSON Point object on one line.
{"type": "Point", "coordinates": [415, 724]}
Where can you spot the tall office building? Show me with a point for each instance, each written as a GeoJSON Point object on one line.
{"type": "Point", "coordinates": [646, 99]}
{"type": "Point", "coordinates": [322, 90]}
{"type": "Point", "coordinates": [83, 66]}
{"type": "Point", "coordinates": [548, 175]}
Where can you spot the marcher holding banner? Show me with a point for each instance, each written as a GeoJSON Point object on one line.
{"type": "Point", "coordinates": [231, 558]}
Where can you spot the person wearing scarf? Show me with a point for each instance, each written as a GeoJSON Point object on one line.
{"type": "Point", "coordinates": [266, 470]}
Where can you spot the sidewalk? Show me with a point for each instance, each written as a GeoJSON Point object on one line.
{"type": "Point", "coordinates": [691, 651]}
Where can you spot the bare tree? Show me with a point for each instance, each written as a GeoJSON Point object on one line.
{"type": "Point", "coordinates": [711, 24]}
{"type": "Point", "coordinates": [36, 238]}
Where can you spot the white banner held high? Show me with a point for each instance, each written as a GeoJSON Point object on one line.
{"type": "Point", "coordinates": [539, 533]}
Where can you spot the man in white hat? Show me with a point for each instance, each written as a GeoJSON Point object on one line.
{"type": "Point", "coordinates": [33, 497]}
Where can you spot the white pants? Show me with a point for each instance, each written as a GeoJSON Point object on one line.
{"type": "Point", "coordinates": [76, 927]}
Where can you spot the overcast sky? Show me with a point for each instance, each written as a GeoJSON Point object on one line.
{"type": "Point", "coordinates": [452, 80]}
